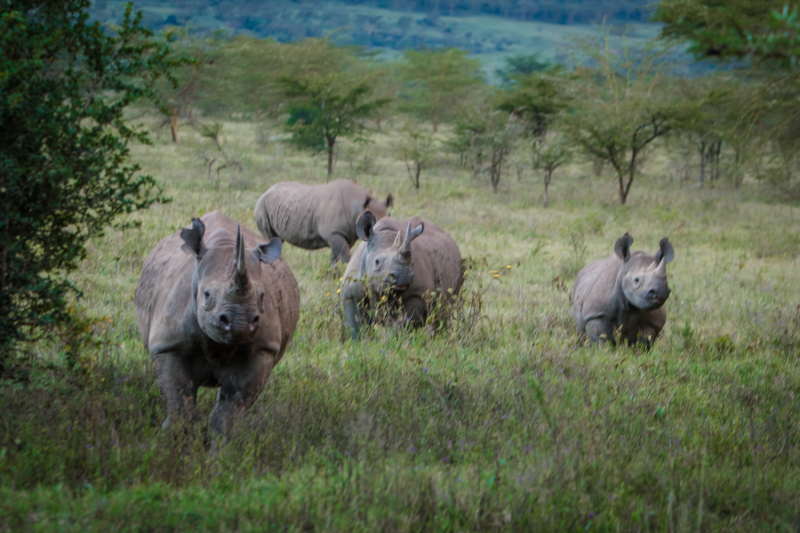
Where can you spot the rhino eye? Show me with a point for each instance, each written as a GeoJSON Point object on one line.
{"type": "Point", "coordinates": [207, 295]}
{"type": "Point", "coordinates": [636, 280]}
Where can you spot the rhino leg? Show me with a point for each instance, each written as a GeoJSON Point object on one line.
{"type": "Point", "coordinates": [599, 330]}
{"type": "Point", "coordinates": [352, 296]}
{"type": "Point", "coordinates": [241, 383]}
{"type": "Point", "coordinates": [340, 250]}
{"type": "Point", "coordinates": [414, 311]}
{"type": "Point", "coordinates": [178, 386]}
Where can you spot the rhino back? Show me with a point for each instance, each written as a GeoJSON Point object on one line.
{"type": "Point", "coordinates": [595, 287]}
{"type": "Point", "coordinates": [339, 204]}
{"type": "Point", "coordinates": [288, 210]}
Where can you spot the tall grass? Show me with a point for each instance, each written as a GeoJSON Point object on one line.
{"type": "Point", "coordinates": [501, 421]}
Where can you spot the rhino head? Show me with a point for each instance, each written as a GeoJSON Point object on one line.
{"type": "Point", "coordinates": [643, 279]}
{"type": "Point", "coordinates": [226, 289]}
{"type": "Point", "coordinates": [386, 262]}
{"type": "Point", "coordinates": [376, 207]}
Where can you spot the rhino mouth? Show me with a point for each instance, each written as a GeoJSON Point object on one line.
{"type": "Point", "coordinates": [658, 302]}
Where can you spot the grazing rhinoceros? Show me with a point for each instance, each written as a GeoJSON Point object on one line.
{"type": "Point", "coordinates": [404, 261]}
{"type": "Point", "coordinates": [316, 216]}
{"type": "Point", "coordinates": [624, 294]}
{"type": "Point", "coordinates": [216, 306]}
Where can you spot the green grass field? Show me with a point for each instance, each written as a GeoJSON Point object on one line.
{"type": "Point", "coordinates": [502, 421]}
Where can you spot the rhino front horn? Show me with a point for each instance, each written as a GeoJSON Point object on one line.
{"type": "Point", "coordinates": [240, 279]}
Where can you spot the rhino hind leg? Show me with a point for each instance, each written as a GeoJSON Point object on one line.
{"type": "Point", "coordinates": [178, 386]}
{"type": "Point", "coordinates": [240, 386]}
{"type": "Point", "coordinates": [340, 250]}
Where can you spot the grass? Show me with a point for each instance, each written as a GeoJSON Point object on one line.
{"type": "Point", "coordinates": [504, 423]}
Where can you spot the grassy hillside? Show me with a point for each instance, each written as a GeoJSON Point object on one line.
{"type": "Point", "coordinates": [490, 37]}
{"type": "Point", "coordinates": [501, 422]}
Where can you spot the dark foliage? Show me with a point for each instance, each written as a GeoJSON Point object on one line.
{"type": "Point", "coordinates": [64, 172]}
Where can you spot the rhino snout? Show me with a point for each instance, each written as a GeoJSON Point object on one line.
{"type": "Point", "coordinates": [237, 324]}
{"type": "Point", "coordinates": [659, 295]}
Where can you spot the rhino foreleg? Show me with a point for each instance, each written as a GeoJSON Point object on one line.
{"type": "Point", "coordinates": [240, 386]}
{"type": "Point", "coordinates": [340, 250]}
{"type": "Point", "coordinates": [414, 311]}
{"type": "Point", "coordinates": [599, 330]}
{"type": "Point", "coordinates": [178, 386]}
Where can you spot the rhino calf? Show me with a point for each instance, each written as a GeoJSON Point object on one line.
{"type": "Point", "coordinates": [215, 306]}
{"type": "Point", "coordinates": [403, 261]}
{"type": "Point", "coordinates": [316, 216]}
{"type": "Point", "coordinates": [624, 294]}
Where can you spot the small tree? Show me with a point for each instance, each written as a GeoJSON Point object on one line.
{"type": "Point", "coordinates": [416, 150]}
{"type": "Point", "coordinates": [438, 82]}
{"type": "Point", "coordinates": [619, 110]}
{"type": "Point", "coordinates": [520, 65]}
{"type": "Point", "coordinates": [328, 99]}
{"type": "Point", "coordinates": [489, 134]}
{"type": "Point", "coordinates": [64, 171]}
{"type": "Point", "coordinates": [548, 155]}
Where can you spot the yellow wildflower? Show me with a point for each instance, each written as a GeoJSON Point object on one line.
{"type": "Point", "coordinates": [496, 276]}
{"type": "Point", "coordinates": [327, 294]}
{"type": "Point", "coordinates": [508, 267]}
{"type": "Point", "coordinates": [338, 291]}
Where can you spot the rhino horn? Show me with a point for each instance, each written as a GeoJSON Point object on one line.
{"type": "Point", "coordinates": [240, 282]}
{"type": "Point", "coordinates": [410, 236]}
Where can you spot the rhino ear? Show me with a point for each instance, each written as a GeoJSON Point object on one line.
{"type": "Point", "coordinates": [389, 201]}
{"type": "Point", "coordinates": [268, 253]}
{"type": "Point", "coordinates": [665, 251]}
{"type": "Point", "coordinates": [364, 226]}
{"type": "Point", "coordinates": [193, 238]}
{"type": "Point", "coordinates": [366, 202]}
{"type": "Point", "coordinates": [623, 247]}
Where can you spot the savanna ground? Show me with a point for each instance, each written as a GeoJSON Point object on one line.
{"type": "Point", "coordinates": [501, 421]}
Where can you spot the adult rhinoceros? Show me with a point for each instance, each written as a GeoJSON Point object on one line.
{"type": "Point", "coordinates": [405, 261]}
{"type": "Point", "coordinates": [216, 306]}
{"type": "Point", "coordinates": [316, 216]}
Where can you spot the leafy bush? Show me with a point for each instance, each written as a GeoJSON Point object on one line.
{"type": "Point", "coordinates": [64, 172]}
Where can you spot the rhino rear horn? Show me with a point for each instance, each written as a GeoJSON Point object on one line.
{"type": "Point", "coordinates": [268, 253]}
{"type": "Point", "coordinates": [193, 238]}
{"type": "Point", "coordinates": [364, 226]}
{"type": "Point", "coordinates": [411, 234]}
{"type": "Point", "coordinates": [623, 246]}
{"type": "Point", "coordinates": [665, 252]}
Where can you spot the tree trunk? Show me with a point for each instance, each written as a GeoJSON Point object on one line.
{"type": "Point", "coordinates": [331, 142]}
{"type": "Point", "coordinates": [702, 162]}
{"type": "Point", "coordinates": [416, 179]}
{"type": "Point", "coordinates": [547, 177]}
{"type": "Point", "coordinates": [435, 124]}
{"type": "Point", "coordinates": [378, 123]}
{"type": "Point", "coordinates": [173, 125]}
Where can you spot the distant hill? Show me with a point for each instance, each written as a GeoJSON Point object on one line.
{"type": "Point", "coordinates": [491, 30]}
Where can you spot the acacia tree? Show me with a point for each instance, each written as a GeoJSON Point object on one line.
{"type": "Point", "coordinates": [548, 155]}
{"type": "Point", "coordinates": [438, 82]}
{"type": "Point", "coordinates": [329, 97]}
{"type": "Point", "coordinates": [618, 111]}
{"type": "Point", "coordinates": [64, 169]}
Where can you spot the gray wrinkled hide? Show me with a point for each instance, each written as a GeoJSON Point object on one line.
{"type": "Point", "coordinates": [623, 295]}
{"type": "Point", "coordinates": [316, 216]}
{"type": "Point", "coordinates": [189, 280]}
{"type": "Point", "coordinates": [433, 264]}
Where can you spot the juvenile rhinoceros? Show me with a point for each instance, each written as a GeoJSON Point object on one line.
{"type": "Point", "coordinates": [215, 306]}
{"type": "Point", "coordinates": [316, 216]}
{"type": "Point", "coordinates": [402, 260]}
{"type": "Point", "coordinates": [624, 294]}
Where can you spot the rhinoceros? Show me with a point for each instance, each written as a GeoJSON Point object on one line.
{"type": "Point", "coordinates": [623, 295]}
{"type": "Point", "coordinates": [402, 260]}
{"type": "Point", "coordinates": [316, 216]}
{"type": "Point", "coordinates": [216, 306]}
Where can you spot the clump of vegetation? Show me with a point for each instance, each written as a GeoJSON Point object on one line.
{"type": "Point", "coordinates": [65, 170]}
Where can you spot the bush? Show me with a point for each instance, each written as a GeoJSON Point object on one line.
{"type": "Point", "coordinates": [64, 172]}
